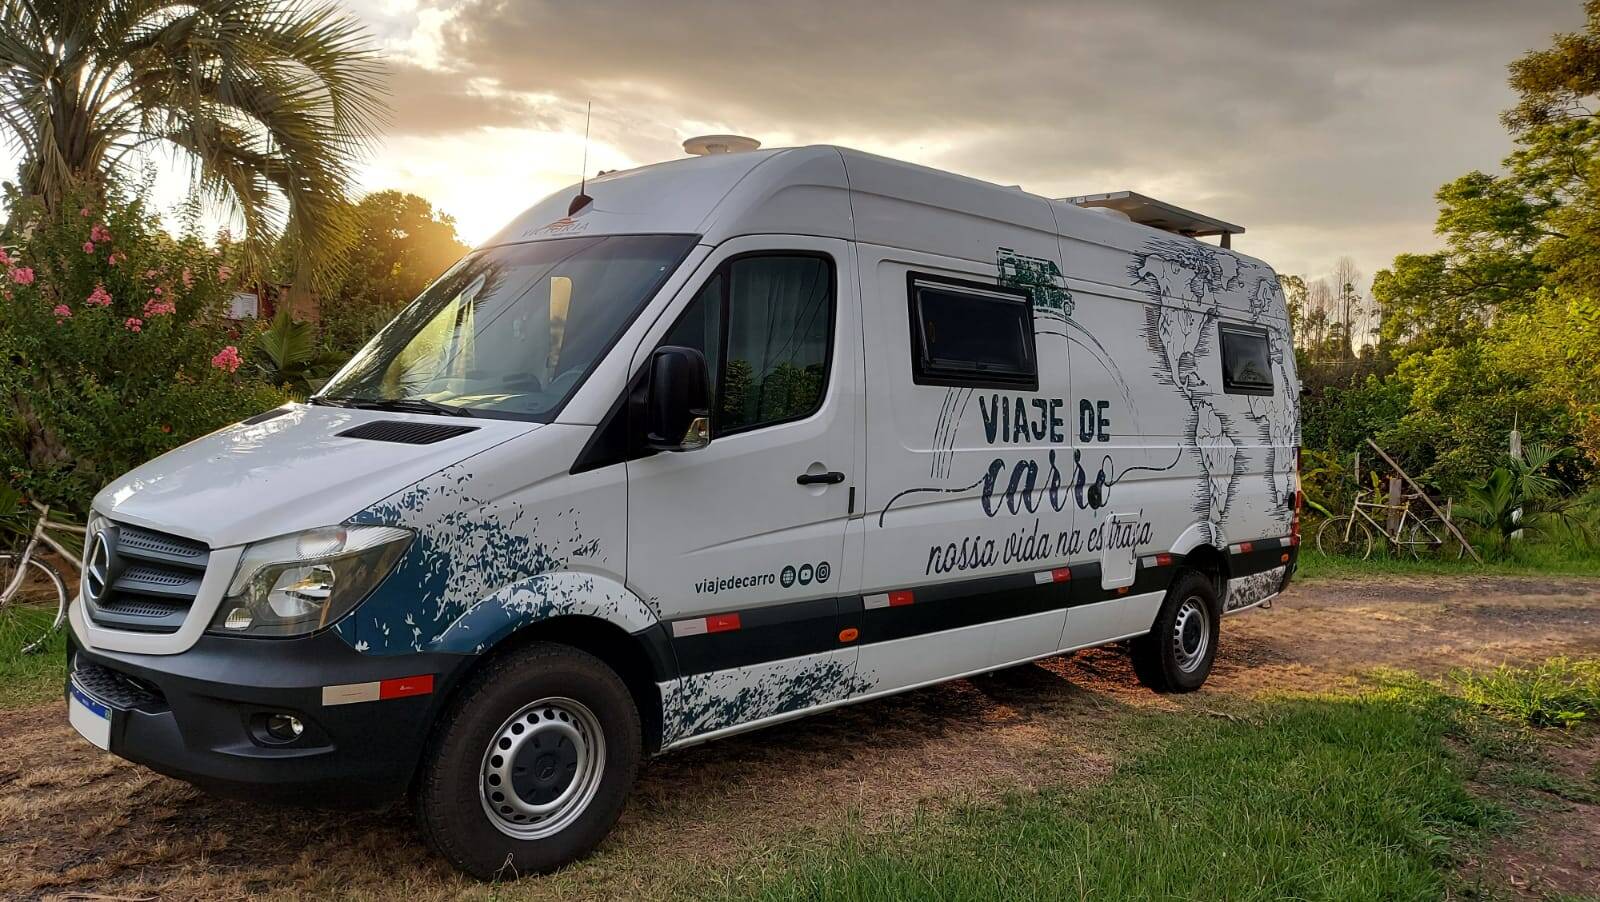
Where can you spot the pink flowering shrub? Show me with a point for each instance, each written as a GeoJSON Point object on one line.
{"type": "Point", "coordinates": [114, 356]}
{"type": "Point", "coordinates": [227, 359]}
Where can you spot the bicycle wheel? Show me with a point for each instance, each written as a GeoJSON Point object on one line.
{"type": "Point", "coordinates": [1441, 543]}
{"type": "Point", "coordinates": [1345, 536]}
{"type": "Point", "coordinates": [35, 610]}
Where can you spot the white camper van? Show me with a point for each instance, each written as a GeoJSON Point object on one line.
{"type": "Point", "coordinates": [709, 445]}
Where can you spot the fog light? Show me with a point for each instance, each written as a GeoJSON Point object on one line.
{"type": "Point", "coordinates": [284, 727]}
{"type": "Point", "coordinates": [238, 619]}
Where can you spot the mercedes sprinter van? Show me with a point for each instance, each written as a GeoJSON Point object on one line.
{"type": "Point", "coordinates": [705, 446]}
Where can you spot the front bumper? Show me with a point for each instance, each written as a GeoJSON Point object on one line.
{"type": "Point", "coordinates": [200, 715]}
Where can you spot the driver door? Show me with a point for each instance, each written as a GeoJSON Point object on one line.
{"type": "Point", "coordinates": [740, 544]}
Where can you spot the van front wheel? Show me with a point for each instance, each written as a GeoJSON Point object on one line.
{"type": "Point", "coordinates": [530, 765]}
{"type": "Point", "coordinates": [1177, 653]}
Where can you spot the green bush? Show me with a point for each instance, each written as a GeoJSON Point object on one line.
{"type": "Point", "coordinates": [115, 343]}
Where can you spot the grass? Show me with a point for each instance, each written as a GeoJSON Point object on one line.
{"type": "Point", "coordinates": [1558, 693]}
{"type": "Point", "coordinates": [1532, 559]}
{"type": "Point", "coordinates": [32, 678]}
{"type": "Point", "coordinates": [1561, 550]}
{"type": "Point", "coordinates": [1310, 798]}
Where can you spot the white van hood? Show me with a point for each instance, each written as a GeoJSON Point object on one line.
{"type": "Point", "coordinates": [244, 483]}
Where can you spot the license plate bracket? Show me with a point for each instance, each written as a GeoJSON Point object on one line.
{"type": "Point", "coordinates": [89, 716]}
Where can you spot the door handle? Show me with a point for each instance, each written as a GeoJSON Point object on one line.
{"type": "Point", "coordinates": [832, 477]}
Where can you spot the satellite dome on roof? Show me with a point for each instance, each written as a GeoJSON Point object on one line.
{"type": "Point", "coordinates": [710, 144]}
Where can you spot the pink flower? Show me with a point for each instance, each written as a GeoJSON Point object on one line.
{"type": "Point", "coordinates": [62, 311]}
{"type": "Point", "coordinates": [99, 233]}
{"type": "Point", "coordinates": [88, 247]}
{"type": "Point", "coordinates": [22, 275]}
{"type": "Point", "coordinates": [133, 324]}
{"type": "Point", "coordinates": [223, 272]}
{"type": "Point", "coordinates": [151, 273]}
{"type": "Point", "coordinates": [116, 257]}
{"type": "Point", "coordinates": [157, 307]}
{"type": "Point", "coordinates": [227, 359]}
{"type": "Point", "coordinates": [4, 260]}
{"type": "Point", "coordinates": [84, 212]}
{"type": "Point", "coordinates": [158, 289]}
{"type": "Point", "coordinates": [99, 297]}
{"type": "Point", "coordinates": [188, 278]}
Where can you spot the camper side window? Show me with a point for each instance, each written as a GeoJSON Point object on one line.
{"type": "Point", "coordinates": [1246, 362]}
{"type": "Point", "coordinates": [966, 334]}
{"type": "Point", "coordinates": [765, 324]}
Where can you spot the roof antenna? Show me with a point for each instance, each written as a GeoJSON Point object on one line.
{"type": "Point", "coordinates": [583, 199]}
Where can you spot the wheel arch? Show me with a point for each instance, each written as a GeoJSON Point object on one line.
{"type": "Point", "coordinates": [642, 660]}
{"type": "Point", "coordinates": [586, 611]}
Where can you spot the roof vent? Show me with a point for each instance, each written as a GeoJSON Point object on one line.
{"type": "Point", "coordinates": [1158, 214]}
{"type": "Point", "coordinates": [706, 145]}
{"type": "Point", "coordinates": [405, 432]}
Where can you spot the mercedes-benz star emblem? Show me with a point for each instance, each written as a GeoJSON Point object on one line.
{"type": "Point", "coordinates": [97, 566]}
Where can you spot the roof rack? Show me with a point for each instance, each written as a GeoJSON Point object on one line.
{"type": "Point", "coordinates": [1158, 214]}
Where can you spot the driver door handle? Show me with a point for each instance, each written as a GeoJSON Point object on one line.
{"type": "Point", "coordinates": [832, 477]}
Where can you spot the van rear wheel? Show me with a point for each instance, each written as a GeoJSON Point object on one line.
{"type": "Point", "coordinates": [529, 767]}
{"type": "Point", "coordinates": [1176, 655]}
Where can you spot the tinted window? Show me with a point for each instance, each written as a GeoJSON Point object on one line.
{"type": "Point", "coordinates": [1246, 364]}
{"type": "Point", "coordinates": [971, 336]}
{"type": "Point", "coordinates": [772, 364]}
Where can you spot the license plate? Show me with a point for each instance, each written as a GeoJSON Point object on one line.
{"type": "Point", "coordinates": [91, 718]}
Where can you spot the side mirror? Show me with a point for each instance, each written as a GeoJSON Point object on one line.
{"type": "Point", "coordinates": [677, 412]}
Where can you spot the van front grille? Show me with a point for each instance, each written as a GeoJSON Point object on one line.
{"type": "Point", "coordinates": [142, 580]}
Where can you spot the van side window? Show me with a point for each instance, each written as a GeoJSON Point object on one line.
{"type": "Point", "coordinates": [970, 335]}
{"type": "Point", "coordinates": [765, 324]}
{"type": "Point", "coordinates": [1246, 363]}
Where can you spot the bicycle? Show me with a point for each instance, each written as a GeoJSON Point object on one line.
{"type": "Point", "coordinates": [1351, 534]}
{"type": "Point", "coordinates": [24, 574]}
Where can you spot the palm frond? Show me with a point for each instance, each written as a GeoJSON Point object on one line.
{"type": "Point", "coordinates": [271, 101]}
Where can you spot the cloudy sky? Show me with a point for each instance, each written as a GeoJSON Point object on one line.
{"type": "Point", "coordinates": [1323, 126]}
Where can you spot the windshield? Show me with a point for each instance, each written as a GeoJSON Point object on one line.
{"type": "Point", "coordinates": [509, 331]}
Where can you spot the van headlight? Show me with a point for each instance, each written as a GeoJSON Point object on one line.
{"type": "Point", "coordinates": [298, 584]}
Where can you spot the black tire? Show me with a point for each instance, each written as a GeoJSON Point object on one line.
{"type": "Point", "coordinates": [1169, 658]}
{"type": "Point", "coordinates": [452, 797]}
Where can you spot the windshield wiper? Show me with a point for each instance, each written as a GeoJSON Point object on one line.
{"type": "Point", "coordinates": [418, 405]}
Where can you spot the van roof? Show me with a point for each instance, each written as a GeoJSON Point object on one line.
{"type": "Point", "coordinates": [826, 191]}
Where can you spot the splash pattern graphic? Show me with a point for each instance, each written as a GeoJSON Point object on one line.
{"type": "Point", "coordinates": [712, 701]}
{"type": "Point", "coordinates": [477, 570]}
{"type": "Point", "coordinates": [1245, 591]}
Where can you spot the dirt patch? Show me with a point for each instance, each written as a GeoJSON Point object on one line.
{"type": "Point", "coordinates": [1556, 849]}
{"type": "Point", "coordinates": [74, 820]}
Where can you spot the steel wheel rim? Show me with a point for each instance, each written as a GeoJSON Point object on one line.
{"type": "Point", "coordinates": [542, 768]}
{"type": "Point", "coordinates": [1191, 634]}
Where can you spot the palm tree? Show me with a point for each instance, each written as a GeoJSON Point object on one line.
{"type": "Point", "coordinates": [268, 101]}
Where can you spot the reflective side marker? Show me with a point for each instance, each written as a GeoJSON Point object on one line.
{"type": "Point", "coordinates": [849, 634]}
{"type": "Point", "coordinates": [887, 599]}
{"type": "Point", "coordinates": [1058, 575]}
{"type": "Point", "coordinates": [699, 626]}
{"type": "Point", "coordinates": [381, 690]}
{"type": "Point", "coordinates": [406, 686]}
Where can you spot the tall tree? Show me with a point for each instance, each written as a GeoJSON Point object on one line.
{"type": "Point", "coordinates": [1504, 322]}
{"type": "Point", "coordinates": [401, 245]}
{"type": "Point", "coordinates": [269, 101]}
